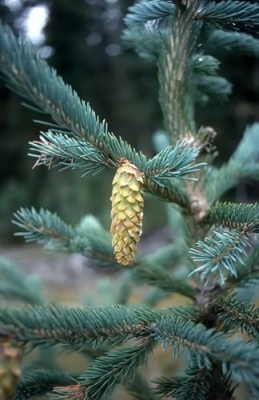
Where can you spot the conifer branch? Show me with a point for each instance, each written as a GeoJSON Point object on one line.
{"type": "Point", "coordinates": [243, 165]}
{"type": "Point", "coordinates": [145, 11]}
{"type": "Point", "coordinates": [179, 334]}
{"type": "Point", "coordinates": [42, 226]}
{"type": "Point", "coordinates": [50, 94]}
{"type": "Point", "coordinates": [234, 216]}
{"type": "Point", "coordinates": [118, 339]}
{"type": "Point", "coordinates": [218, 41]}
{"type": "Point", "coordinates": [247, 151]}
{"type": "Point", "coordinates": [212, 86]}
{"type": "Point", "coordinates": [10, 292]}
{"type": "Point", "coordinates": [236, 314]}
{"type": "Point", "coordinates": [178, 225]}
{"type": "Point", "coordinates": [74, 328]}
{"type": "Point", "coordinates": [105, 373]}
{"type": "Point", "coordinates": [153, 297]}
{"type": "Point", "coordinates": [241, 358]}
{"type": "Point", "coordinates": [171, 191]}
{"type": "Point", "coordinates": [56, 149]}
{"type": "Point", "coordinates": [197, 383]}
{"type": "Point", "coordinates": [60, 150]}
{"type": "Point", "coordinates": [232, 16]}
{"type": "Point", "coordinates": [82, 328]}
{"type": "Point", "coordinates": [174, 74]}
{"type": "Point", "coordinates": [154, 275]}
{"type": "Point", "coordinates": [206, 81]}
{"type": "Point", "coordinates": [178, 161]}
{"type": "Point", "coordinates": [168, 257]}
{"type": "Point", "coordinates": [146, 40]}
{"type": "Point", "coordinates": [125, 288]}
{"type": "Point", "coordinates": [140, 390]}
{"type": "Point", "coordinates": [100, 252]}
{"type": "Point", "coordinates": [47, 228]}
{"type": "Point", "coordinates": [220, 253]}
{"type": "Point", "coordinates": [40, 382]}
{"type": "Point", "coordinates": [192, 385]}
{"type": "Point", "coordinates": [219, 180]}
{"type": "Point", "coordinates": [204, 64]}
{"type": "Point", "coordinates": [247, 272]}
{"type": "Point", "coordinates": [22, 69]}
{"type": "Point", "coordinates": [115, 368]}
{"type": "Point", "coordinates": [189, 312]}
{"type": "Point", "coordinates": [16, 285]}
{"type": "Point", "coordinates": [93, 146]}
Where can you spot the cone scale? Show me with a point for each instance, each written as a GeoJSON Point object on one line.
{"type": "Point", "coordinates": [127, 211]}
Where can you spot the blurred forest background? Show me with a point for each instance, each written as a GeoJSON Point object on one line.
{"type": "Point", "coordinates": [81, 39]}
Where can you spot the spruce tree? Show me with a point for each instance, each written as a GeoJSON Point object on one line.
{"type": "Point", "coordinates": [213, 258]}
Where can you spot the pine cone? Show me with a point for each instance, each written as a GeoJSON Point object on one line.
{"type": "Point", "coordinates": [127, 211]}
{"type": "Point", "coordinates": [10, 358]}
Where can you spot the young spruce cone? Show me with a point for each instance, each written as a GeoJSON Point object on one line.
{"type": "Point", "coordinates": [10, 358]}
{"type": "Point", "coordinates": [127, 211]}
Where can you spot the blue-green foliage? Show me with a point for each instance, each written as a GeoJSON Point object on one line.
{"type": "Point", "coordinates": [206, 345]}
{"type": "Point", "coordinates": [237, 17]}
{"type": "Point", "coordinates": [184, 38]}
{"type": "Point", "coordinates": [41, 381]}
{"type": "Point", "coordinates": [196, 382]}
{"type": "Point", "coordinates": [236, 314]}
{"type": "Point", "coordinates": [17, 286]}
{"type": "Point", "coordinates": [231, 15]}
{"type": "Point", "coordinates": [247, 151]}
{"type": "Point", "coordinates": [219, 253]}
{"type": "Point", "coordinates": [149, 11]}
{"type": "Point", "coordinates": [232, 215]}
{"type": "Point", "coordinates": [220, 41]}
{"type": "Point", "coordinates": [178, 161]}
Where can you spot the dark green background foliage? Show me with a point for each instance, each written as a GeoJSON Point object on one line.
{"type": "Point", "coordinates": [123, 90]}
